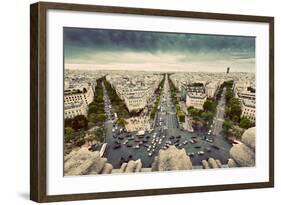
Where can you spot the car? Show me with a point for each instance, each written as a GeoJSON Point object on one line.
{"type": "Point", "coordinates": [216, 147]}
{"type": "Point", "coordinates": [197, 147]}
{"type": "Point", "coordinates": [208, 149]}
{"type": "Point", "coordinates": [201, 153]}
{"type": "Point", "coordinates": [129, 145]}
{"type": "Point", "coordinates": [125, 142]}
{"type": "Point", "coordinates": [191, 154]}
{"type": "Point", "coordinates": [172, 137]}
{"type": "Point", "coordinates": [120, 138]}
{"type": "Point", "coordinates": [117, 146]}
{"type": "Point", "coordinates": [150, 154]}
{"type": "Point", "coordinates": [93, 147]}
{"type": "Point", "coordinates": [117, 142]}
{"type": "Point", "coordinates": [136, 147]}
{"type": "Point", "coordinates": [185, 142]}
{"type": "Point", "coordinates": [168, 142]}
{"type": "Point", "coordinates": [209, 140]}
{"type": "Point", "coordinates": [180, 146]}
{"type": "Point", "coordinates": [164, 148]}
{"type": "Point", "coordinates": [178, 136]}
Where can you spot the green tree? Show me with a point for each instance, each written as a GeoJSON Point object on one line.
{"type": "Point", "coordinates": [209, 105]}
{"type": "Point", "coordinates": [99, 134]}
{"type": "Point", "coordinates": [227, 124]}
{"type": "Point", "coordinates": [194, 112]}
{"type": "Point", "coordinates": [228, 95]}
{"type": "Point", "coordinates": [121, 122]}
{"type": "Point", "coordinates": [68, 122]}
{"type": "Point", "coordinates": [235, 110]}
{"type": "Point", "coordinates": [79, 122]}
{"type": "Point", "coordinates": [181, 116]}
{"type": "Point", "coordinates": [245, 123]}
{"type": "Point", "coordinates": [207, 116]}
{"type": "Point", "coordinates": [68, 131]}
{"type": "Point", "coordinates": [68, 134]}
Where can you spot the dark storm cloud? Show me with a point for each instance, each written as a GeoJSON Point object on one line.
{"type": "Point", "coordinates": [139, 50]}
{"type": "Point", "coordinates": [100, 39]}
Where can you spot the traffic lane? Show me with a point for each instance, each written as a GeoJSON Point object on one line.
{"type": "Point", "coordinates": [115, 155]}
{"type": "Point", "coordinates": [221, 154]}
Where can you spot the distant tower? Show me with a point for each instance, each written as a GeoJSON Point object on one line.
{"type": "Point", "coordinates": [228, 69]}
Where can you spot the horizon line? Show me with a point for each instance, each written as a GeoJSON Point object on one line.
{"type": "Point", "coordinates": [176, 71]}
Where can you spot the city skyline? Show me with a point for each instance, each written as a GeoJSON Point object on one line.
{"type": "Point", "coordinates": [99, 49]}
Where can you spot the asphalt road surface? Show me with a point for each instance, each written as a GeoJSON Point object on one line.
{"type": "Point", "coordinates": [219, 118]}
{"type": "Point", "coordinates": [123, 146]}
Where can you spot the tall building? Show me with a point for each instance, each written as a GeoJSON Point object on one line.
{"type": "Point", "coordinates": [227, 70]}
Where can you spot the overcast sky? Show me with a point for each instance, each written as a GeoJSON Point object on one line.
{"type": "Point", "coordinates": [154, 51]}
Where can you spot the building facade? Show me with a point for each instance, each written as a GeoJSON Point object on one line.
{"type": "Point", "coordinates": [76, 101]}
{"type": "Point", "coordinates": [195, 100]}
{"type": "Point", "coordinates": [248, 110]}
{"type": "Point", "coordinates": [73, 109]}
{"type": "Point", "coordinates": [135, 103]}
{"type": "Point", "coordinates": [246, 94]}
{"type": "Point", "coordinates": [85, 94]}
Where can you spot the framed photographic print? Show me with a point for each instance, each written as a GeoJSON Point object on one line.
{"type": "Point", "coordinates": [134, 102]}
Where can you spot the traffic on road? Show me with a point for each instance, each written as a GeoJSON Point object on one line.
{"type": "Point", "coordinates": [166, 131]}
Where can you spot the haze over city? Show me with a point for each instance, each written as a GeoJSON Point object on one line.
{"type": "Point", "coordinates": [100, 49]}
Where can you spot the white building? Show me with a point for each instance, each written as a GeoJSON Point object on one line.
{"type": "Point", "coordinates": [247, 96]}
{"type": "Point", "coordinates": [76, 101]}
{"type": "Point", "coordinates": [248, 110]}
{"type": "Point", "coordinates": [75, 95]}
{"type": "Point", "coordinates": [73, 109]}
{"type": "Point", "coordinates": [135, 103]}
{"type": "Point", "coordinates": [211, 89]}
{"type": "Point", "coordinates": [195, 99]}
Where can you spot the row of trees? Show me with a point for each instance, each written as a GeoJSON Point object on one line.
{"type": "Point", "coordinates": [117, 104]}
{"type": "Point", "coordinates": [73, 128]}
{"type": "Point", "coordinates": [77, 123]}
{"type": "Point", "coordinates": [174, 90]}
{"type": "Point", "coordinates": [79, 138]}
{"type": "Point", "coordinates": [233, 112]}
{"type": "Point", "coordinates": [96, 113]}
{"type": "Point", "coordinates": [157, 93]}
{"type": "Point", "coordinates": [206, 115]}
